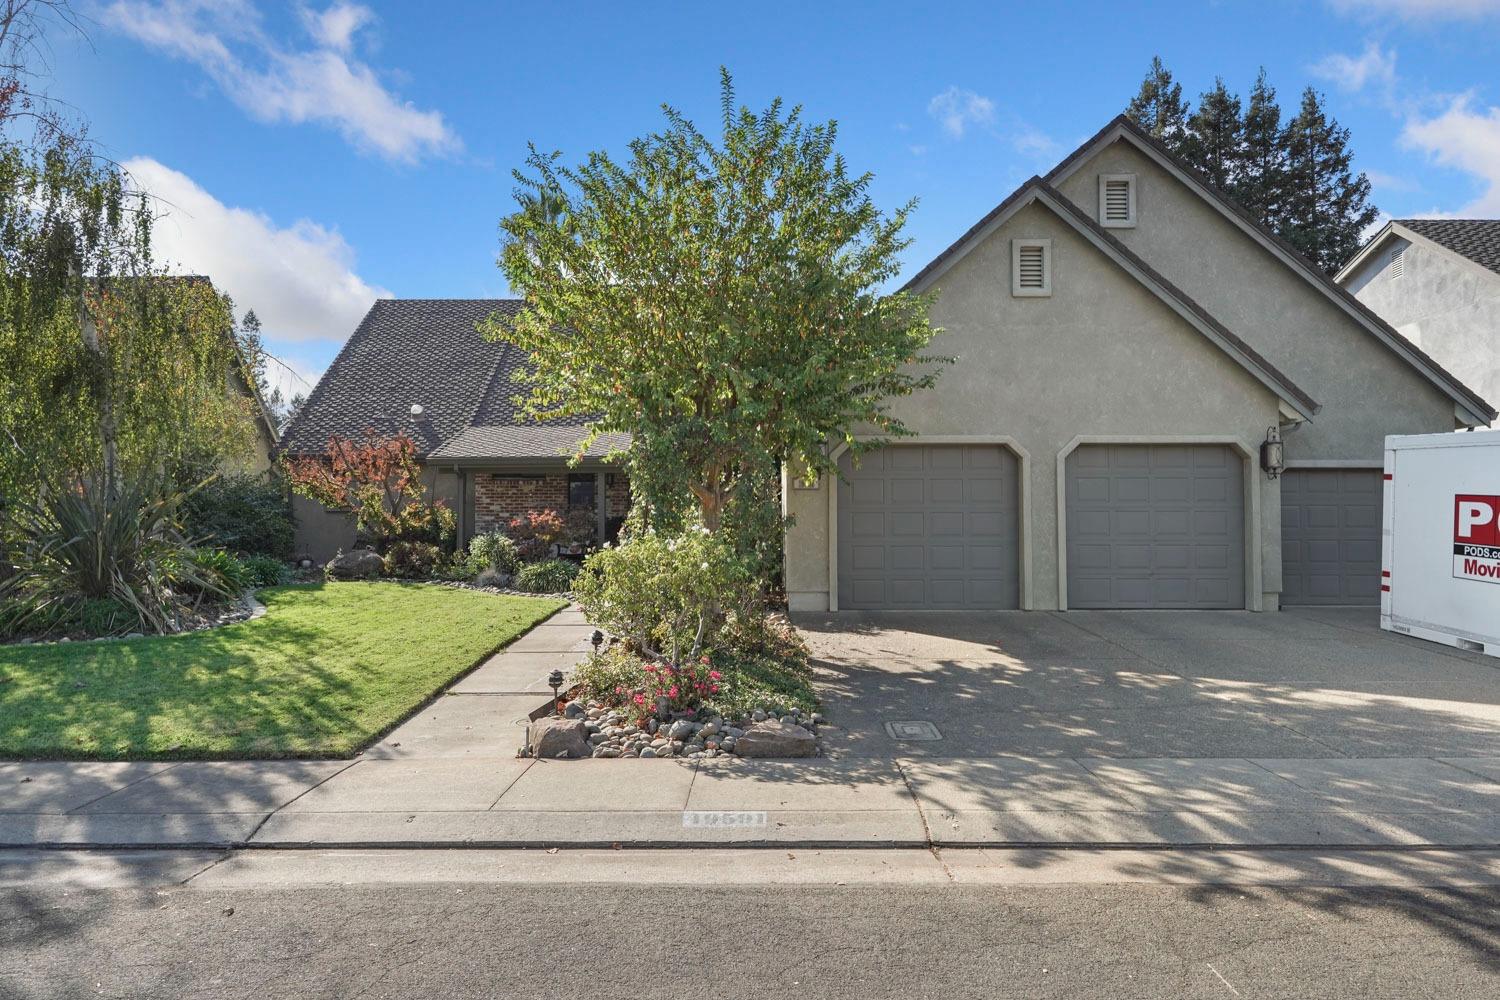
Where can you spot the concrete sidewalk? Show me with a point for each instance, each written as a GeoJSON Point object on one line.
{"type": "Point", "coordinates": [449, 776]}
{"type": "Point", "coordinates": [483, 800]}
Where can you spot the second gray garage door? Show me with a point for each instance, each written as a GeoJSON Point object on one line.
{"type": "Point", "coordinates": [929, 526]}
{"type": "Point", "coordinates": [1155, 526]}
{"type": "Point", "coordinates": [1330, 536]}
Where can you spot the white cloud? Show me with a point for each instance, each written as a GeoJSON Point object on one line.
{"type": "Point", "coordinates": [956, 109]}
{"type": "Point", "coordinates": [1353, 73]}
{"type": "Point", "coordinates": [1466, 138]}
{"type": "Point", "coordinates": [299, 279]}
{"type": "Point", "coordinates": [1032, 141]}
{"type": "Point", "coordinates": [272, 82]}
{"type": "Point", "coordinates": [1421, 10]}
{"type": "Point", "coordinates": [335, 27]}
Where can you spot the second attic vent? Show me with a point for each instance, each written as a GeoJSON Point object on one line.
{"type": "Point", "coordinates": [1398, 262]}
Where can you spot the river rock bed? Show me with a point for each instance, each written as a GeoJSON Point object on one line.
{"type": "Point", "coordinates": [595, 730]}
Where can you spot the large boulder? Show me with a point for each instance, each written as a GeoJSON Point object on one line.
{"type": "Point", "coordinates": [356, 564]}
{"type": "Point", "coordinates": [776, 739]}
{"type": "Point", "coordinates": [550, 736]}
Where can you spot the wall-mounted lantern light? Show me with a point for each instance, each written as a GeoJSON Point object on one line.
{"type": "Point", "coordinates": [1272, 453]}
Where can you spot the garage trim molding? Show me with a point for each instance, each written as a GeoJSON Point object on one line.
{"type": "Point", "coordinates": [1251, 478]}
{"type": "Point", "coordinates": [1023, 472]}
{"type": "Point", "coordinates": [1333, 463]}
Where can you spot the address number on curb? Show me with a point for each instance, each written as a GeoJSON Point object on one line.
{"type": "Point", "coordinates": [723, 819]}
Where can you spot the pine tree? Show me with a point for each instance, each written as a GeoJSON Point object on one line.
{"type": "Point", "coordinates": [1259, 187]}
{"type": "Point", "coordinates": [1326, 207]}
{"type": "Point", "coordinates": [1158, 106]}
{"type": "Point", "coordinates": [1215, 139]}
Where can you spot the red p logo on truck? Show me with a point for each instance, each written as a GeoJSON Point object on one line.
{"type": "Point", "coordinates": [1476, 537]}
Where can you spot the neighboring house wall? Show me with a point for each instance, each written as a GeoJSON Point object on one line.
{"type": "Point", "coordinates": [322, 533]}
{"type": "Point", "coordinates": [1365, 389]}
{"type": "Point", "coordinates": [1445, 304]}
{"type": "Point", "coordinates": [1101, 358]}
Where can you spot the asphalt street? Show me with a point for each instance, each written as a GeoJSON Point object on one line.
{"type": "Point", "coordinates": [457, 939]}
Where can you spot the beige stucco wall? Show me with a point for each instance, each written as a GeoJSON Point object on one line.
{"type": "Point", "coordinates": [1102, 357]}
{"type": "Point", "coordinates": [1447, 306]}
{"type": "Point", "coordinates": [1365, 389]}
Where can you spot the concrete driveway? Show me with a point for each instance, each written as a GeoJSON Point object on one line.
{"type": "Point", "coordinates": [1312, 683]}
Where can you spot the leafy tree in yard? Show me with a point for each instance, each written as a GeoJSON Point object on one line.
{"type": "Point", "coordinates": [719, 300]}
{"type": "Point", "coordinates": [1327, 207]}
{"type": "Point", "coordinates": [108, 366]}
{"type": "Point", "coordinates": [1158, 106]}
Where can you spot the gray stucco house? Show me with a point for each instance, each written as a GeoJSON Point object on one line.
{"type": "Point", "coordinates": [1438, 282]}
{"type": "Point", "coordinates": [419, 367]}
{"type": "Point", "coordinates": [1127, 340]}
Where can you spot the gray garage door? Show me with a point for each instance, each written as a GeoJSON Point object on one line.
{"type": "Point", "coordinates": [1330, 536]}
{"type": "Point", "coordinates": [929, 526]}
{"type": "Point", "coordinates": [1155, 526]}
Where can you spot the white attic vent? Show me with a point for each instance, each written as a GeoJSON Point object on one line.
{"type": "Point", "coordinates": [1117, 201]}
{"type": "Point", "coordinates": [1031, 267]}
{"type": "Point", "coordinates": [1398, 261]}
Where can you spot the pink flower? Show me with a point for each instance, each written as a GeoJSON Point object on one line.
{"type": "Point", "coordinates": [640, 699]}
{"type": "Point", "coordinates": [651, 668]}
{"type": "Point", "coordinates": [672, 691]}
{"type": "Point", "coordinates": [702, 659]}
{"type": "Point", "coordinates": [715, 675]}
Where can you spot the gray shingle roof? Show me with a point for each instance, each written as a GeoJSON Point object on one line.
{"type": "Point", "coordinates": [536, 441]}
{"type": "Point", "coordinates": [428, 352]}
{"type": "Point", "coordinates": [1476, 239]}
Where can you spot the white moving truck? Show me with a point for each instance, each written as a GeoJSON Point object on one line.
{"type": "Point", "coordinates": [1441, 545]}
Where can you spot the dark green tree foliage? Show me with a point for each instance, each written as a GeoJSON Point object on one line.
{"type": "Point", "coordinates": [1158, 107]}
{"type": "Point", "coordinates": [1295, 180]}
{"type": "Point", "coordinates": [1215, 138]}
{"type": "Point", "coordinates": [1261, 180]}
{"type": "Point", "coordinates": [1327, 207]}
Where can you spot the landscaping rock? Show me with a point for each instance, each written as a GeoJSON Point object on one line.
{"type": "Point", "coordinates": [558, 738]}
{"type": "Point", "coordinates": [681, 729]}
{"type": "Point", "coordinates": [357, 564]}
{"type": "Point", "coordinates": [573, 710]}
{"type": "Point", "coordinates": [776, 739]}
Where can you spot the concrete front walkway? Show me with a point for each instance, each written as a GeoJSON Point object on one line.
{"type": "Point", "coordinates": [1266, 730]}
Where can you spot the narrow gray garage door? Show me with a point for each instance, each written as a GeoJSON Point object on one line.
{"type": "Point", "coordinates": [929, 526]}
{"type": "Point", "coordinates": [1330, 536]}
{"type": "Point", "coordinates": [1155, 526]}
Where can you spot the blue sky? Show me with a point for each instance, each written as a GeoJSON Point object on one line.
{"type": "Point", "coordinates": [311, 157]}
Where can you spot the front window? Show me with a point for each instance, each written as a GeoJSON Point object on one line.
{"type": "Point", "coordinates": [581, 489]}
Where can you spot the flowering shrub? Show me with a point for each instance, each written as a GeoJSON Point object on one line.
{"type": "Point", "coordinates": [670, 595]}
{"type": "Point", "coordinates": [642, 688]}
{"type": "Point", "coordinates": [534, 532]}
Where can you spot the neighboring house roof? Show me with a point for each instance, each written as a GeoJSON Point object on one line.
{"type": "Point", "coordinates": [1122, 128]}
{"type": "Point", "coordinates": [1038, 190]}
{"type": "Point", "coordinates": [1475, 240]}
{"type": "Point", "coordinates": [429, 352]}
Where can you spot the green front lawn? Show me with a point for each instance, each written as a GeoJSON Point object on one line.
{"type": "Point", "coordinates": [325, 671]}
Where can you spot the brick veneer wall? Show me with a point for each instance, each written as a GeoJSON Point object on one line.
{"type": "Point", "coordinates": [498, 497]}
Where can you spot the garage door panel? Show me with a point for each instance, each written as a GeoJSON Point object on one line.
{"type": "Point", "coordinates": [868, 557]}
{"type": "Point", "coordinates": [1330, 536]}
{"type": "Point", "coordinates": [1176, 527]}
{"type": "Point", "coordinates": [946, 521]}
{"type": "Point", "coordinates": [908, 491]}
